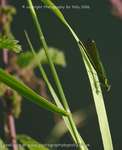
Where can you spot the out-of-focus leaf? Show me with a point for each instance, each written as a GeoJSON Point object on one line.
{"type": "Point", "coordinates": [20, 147]}
{"type": "Point", "coordinates": [10, 44]}
{"type": "Point", "coordinates": [15, 99]}
{"type": "Point", "coordinates": [7, 9]}
{"type": "Point", "coordinates": [94, 57]}
{"type": "Point", "coordinates": [30, 143]}
{"type": "Point", "coordinates": [3, 88]}
{"type": "Point", "coordinates": [2, 145]}
{"type": "Point", "coordinates": [28, 93]}
{"type": "Point", "coordinates": [27, 59]}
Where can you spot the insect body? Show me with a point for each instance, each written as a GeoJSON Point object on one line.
{"type": "Point", "coordinates": [94, 57]}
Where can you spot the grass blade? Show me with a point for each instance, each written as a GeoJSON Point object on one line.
{"type": "Point", "coordinates": [98, 99]}
{"type": "Point", "coordinates": [52, 91]}
{"type": "Point", "coordinates": [29, 143]}
{"type": "Point", "coordinates": [99, 102]}
{"type": "Point", "coordinates": [26, 92]}
{"type": "Point", "coordinates": [79, 140]}
{"type": "Point", "coordinates": [56, 11]}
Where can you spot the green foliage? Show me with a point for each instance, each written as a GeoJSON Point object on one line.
{"type": "Point", "coordinates": [94, 81]}
{"type": "Point", "coordinates": [10, 44]}
{"type": "Point", "coordinates": [8, 10]}
{"type": "Point", "coordinates": [2, 145]}
{"type": "Point", "coordinates": [56, 11]}
{"type": "Point", "coordinates": [76, 137]}
{"type": "Point", "coordinates": [51, 89]}
{"type": "Point", "coordinates": [30, 143]}
{"type": "Point", "coordinates": [27, 59]}
{"type": "Point", "coordinates": [98, 100]}
{"type": "Point", "coordinates": [26, 92]}
{"type": "Point", "coordinates": [24, 59]}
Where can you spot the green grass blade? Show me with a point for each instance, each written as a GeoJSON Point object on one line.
{"type": "Point", "coordinates": [52, 67]}
{"type": "Point", "coordinates": [60, 15]}
{"type": "Point", "coordinates": [30, 143]}
{"type": "Point", "coordinates": [78, 138]}
{"type": "Point", "coordinates": [52, 91]}
{"type": "Point", "coordinates": [26, 92]}
{"type": "Point", "coordinates": [56, 11]}
{"type": "Point", "coordinates": [99, 102]}
{"type": "Point", "coordinates": [106, 136]}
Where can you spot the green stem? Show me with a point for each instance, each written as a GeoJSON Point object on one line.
{"type": "Point", "coordinates": [79, 140]}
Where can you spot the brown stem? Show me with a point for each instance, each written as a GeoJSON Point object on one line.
{"type": "Point", "coordinates": [5, 52]}
{"type": "Point", "coordinates": [10, 118]}
{"type": "Point", "coordinates": [12, 131]}
{"type": "Point", "coordinates": [3, 2]}
{"type": "Point", "coordinates": [5, 56]}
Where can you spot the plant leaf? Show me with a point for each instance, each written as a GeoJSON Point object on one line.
{"type": "Point", "coordinates": [51, 89]}
{"type": "Point", "coordinates": [3, 145]}
{"type": "Point", "coordinates": [28, 93]}
{"type": "Point", "coordinates": [27, 59]}
{"type": "Point", "coordinates": [98, 100]}
{"type": "Point", "coordinates": [10, 44]}
{"type": "Point", "coordinates": [30, 143]}
{"type": "Point", "coordinates": [78, 138]}
{"type": "Point", "coordinates": [94, 57]}
{"type": "Point", "coordinates": [96, 89]}
{"type": "Point", "coordinates": [56, 55]}
{"type": "Point", "coordinates": [54, 8]}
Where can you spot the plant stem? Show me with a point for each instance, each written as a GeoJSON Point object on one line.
{"type": "Point", "coordinates": [79, 140]}
{"type": "Point", "coordinates": [12, 131]}
{"type": "Point", "coordinates": [10, 118]}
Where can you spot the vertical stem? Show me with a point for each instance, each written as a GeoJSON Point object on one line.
{"type": "Point", "coordinates": [5, 52]}
{"type": "Point", "coordinates": [10, 118]}
{"type": "Point", "coordinates": [12, 131]}
{"type": "Point", "coordinates": [81, 144]}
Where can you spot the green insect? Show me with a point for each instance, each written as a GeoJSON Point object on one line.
{"type": "Point", "coordinates": [94, 57]}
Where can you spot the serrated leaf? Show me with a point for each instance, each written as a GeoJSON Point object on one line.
{"type": "Point", "coordinates": [30, 143]}
{"type": "Point", "coordinates": [28, 93]}
{"type": "Point", "coordinates": [2, 145]}
{"type": "Point", "coordinates": [95, 59]}
{"type": "Point", "coordinates": [10, 44]}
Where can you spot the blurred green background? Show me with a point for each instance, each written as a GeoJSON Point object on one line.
{"type": "Point", "coordinates": [96, 23]}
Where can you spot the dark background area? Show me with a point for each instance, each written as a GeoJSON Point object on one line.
{"type": "Point", "coordinates": [96, 23]}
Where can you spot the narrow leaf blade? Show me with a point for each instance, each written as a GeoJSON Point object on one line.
{"type": "Point", "coordinates": [30, 143]}
{"type": "Point", "coordinates": [28, 93]}
{"type": "Point", "coordinates": [54, 8]}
